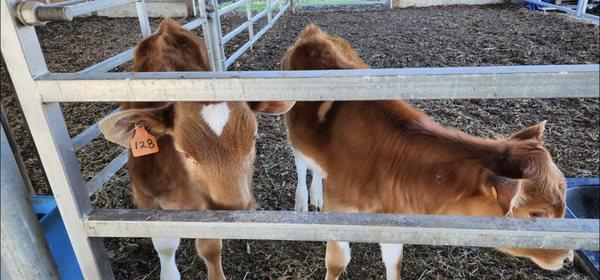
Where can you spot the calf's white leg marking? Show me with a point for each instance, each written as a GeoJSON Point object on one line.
{"type": "Point", "coordinates": [216, 116]}
{"type": "Point", "coordinates": [166, 248]}
{"type": "Point", "coordinates": [391, 255]}
{"type": "Point", "coordinates": [302, 164]}
{"type": "Point", "coordinates": [316, 190]}
{"type": "Point", "coordinates": [301, 189]}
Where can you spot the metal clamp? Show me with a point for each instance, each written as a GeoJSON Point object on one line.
{"type": "Point", "coordinates": [37, 14]}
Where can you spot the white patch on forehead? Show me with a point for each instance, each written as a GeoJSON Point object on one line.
{"type": "Point", "coordinates": [216, 116]}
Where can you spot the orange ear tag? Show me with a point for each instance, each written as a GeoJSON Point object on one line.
{"type": "Point", "coordinates": [143, 143]}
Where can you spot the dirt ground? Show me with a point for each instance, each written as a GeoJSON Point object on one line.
{"type": "Point", "coordinates": [424, 37]}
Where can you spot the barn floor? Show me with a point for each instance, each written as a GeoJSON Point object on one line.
{"type": "Point", "coordinates": [424, 37]}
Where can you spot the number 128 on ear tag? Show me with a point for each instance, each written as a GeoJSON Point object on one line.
{"type": "Point", "coordinates": [143, 143]}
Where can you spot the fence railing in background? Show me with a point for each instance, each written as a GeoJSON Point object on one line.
{"type": "Point", "coordinates": [280, 6]}
{"type": "Point", "coordinates": [578, 12]}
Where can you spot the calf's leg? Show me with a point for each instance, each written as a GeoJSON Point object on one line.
{"type": "Point", "coordinates": [392, 258]}
{"type": "Point", "coordinates": [337, 258]}
{"type": "Point", "coordinates": [210, 251]}
{"type": "Point", "coordinates": [166, 248]}
{"type": "Point", "coordinates": [301, 188]}
{"type": "Point", "coordinates": [316, 190]}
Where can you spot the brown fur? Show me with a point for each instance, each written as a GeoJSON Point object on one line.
{"type": "Point", "coordinates": [388, 157]}
{"type": "Point", "coordinates": [195, 169]}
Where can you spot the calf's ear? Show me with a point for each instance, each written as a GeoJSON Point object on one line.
{"type": "Point", "coordinates": [271, 107]}
{"type": "Point", "coordinates": [505, 191]}
{"type": "Point", "coordinates": [535, 132]}
{"type": "Point", "coordinates": [119, 128]}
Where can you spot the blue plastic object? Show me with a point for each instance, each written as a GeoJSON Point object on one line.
{"type": "Point", "coordinates": [533, 6]}
{"type": "Point", "coordinates": [583, 202]}
{"type": "Point", "coordinates": [56, 236]}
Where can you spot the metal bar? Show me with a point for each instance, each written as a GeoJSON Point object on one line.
{"type": "Point", "coordinates": [89, 134]}
{"type": "Point", "coordinates": [545, 81]}
{"type": "Point", "coordinates": [96, 183]}
{"type": "Point", "coordinates": [269, 11]}
{"type": "Point", "coordinates": [65, 3]}
{"type": "Point", "coordinates": [15, 149]}
{"type": "Point", "coordinates": [253, 40]}
{"type": "Point", "coordinates": [243, 26]}
{"type": "Point", "coordinates": [25, 253]}
{"type": "Point", "coordinates": [191, 8]}
{"type": "Point", "coordinates": [49, 132]}
{"type": "Point", "coordinates": [212, 34]}
{"type": "Point", "coordinates": [249, 17]}
{"type": "Point", "coordinates": [97, 5]}
{"type": "Point", "coordinates": [352, 227]}
{"type": "Point", "coordinates": [232, 7]}
{"type": "Point", "coordinates": [581, 7]}
{"type": "Point", "coordinates": [590, 18]}
{"type": "Point", "coordinates": [111, 63]}
{"type": "Point", "coordinates": [142, 14]}
{"type": "Point", "coordinates": [194, 23]}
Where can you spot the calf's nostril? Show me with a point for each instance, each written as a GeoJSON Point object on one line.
{"type": "Point", "coordinates": [568, 261]}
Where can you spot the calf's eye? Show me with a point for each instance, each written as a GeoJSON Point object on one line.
{"type": "Point", "coordinates": [537, 214]}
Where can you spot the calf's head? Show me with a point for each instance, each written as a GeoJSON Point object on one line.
{"type": "Point", "coordinates": [215, 139]}
{"type": "Point", "coordinates": [315, 49]}
{"type": "Point", "coordinates": [536, 190]}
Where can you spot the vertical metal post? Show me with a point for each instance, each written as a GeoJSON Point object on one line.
{"type": "Point", "coordinates": [24, 60]}
{"type": "Point", "coordinates": [25, 254]}
{"type": "Point", "coordinates": [391, 4]}
{"type": "Point", "coordinates": [270, 11]}
{"type": "Point", "coordinates": [14, 147]}
{"type": "Point", "coordinates": [251, 26]}
{"type": "Point", "coordinates": [293, 5]}
{"type": "Point", "coordinates": [142, 14]}
{"type": "Point", "coordinates": [212, 33]}
{"type": "Point", "coordinates": [581, 7]}
{"type": "Point", "coordinates": [191, 8]}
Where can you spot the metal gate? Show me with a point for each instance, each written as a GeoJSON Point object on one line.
{"type": "Point", "coordinates": [40, 92]}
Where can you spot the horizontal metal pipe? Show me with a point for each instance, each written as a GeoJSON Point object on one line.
{"type": "Point", "coordinates": [194, 23]}
{"type": "Point", "coordinates": [352, 227]}
{"type": "Point", "coordinates": [96, 183]}
{"type": "Point", "coordinates": [90, 133]}
{"type": "Point", "coordinates": [244, 25]}
{"type": "Point", "coordinates": [543, 81]}
{"type": "Point", "coordinates": [65, 3]}
{"type": "Point", "coordinates": [232, 7]}
{"type": "Point", "coordinates": [110, 63]}
{"type": "Point", "coordinates": [97, 5]}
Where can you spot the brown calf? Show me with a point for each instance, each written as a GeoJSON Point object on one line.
{"type": "Point", "coordinates": [388, 157]}
{"type": "Point", "coordinates": [206, 149]}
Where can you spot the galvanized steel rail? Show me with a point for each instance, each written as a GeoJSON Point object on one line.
{"type": "Point", "coordinates": [351, 227]}
{"type": "Point", "coordinates": [40, 91]}
{"type": "Point", "coordinates": [215, 25]}
{"type": "Point", "coordinates": [545, 81]}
